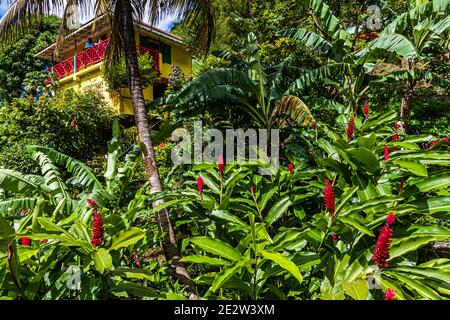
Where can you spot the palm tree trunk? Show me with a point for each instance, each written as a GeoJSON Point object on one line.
{"type": "Point", "coordinates": [148, 156]}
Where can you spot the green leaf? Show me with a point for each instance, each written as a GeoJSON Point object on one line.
{"type": "Point", "coordinates": [357, 289]}
{"type": "Point", "coordinates": [266, 196]}
{"type": "Point", "coordinates": [102, 260]}
{"type": "Point", "coordinates": [413, 167]}
{"type": "Point", "coordinates": [355, 224]}
{"type": "Point", "coordinates": [433, 273]}
{"type": "Point", "coordinates": [225, 215]}
{"type": "Point", "coordinates": [283, 262]}
{"type": "Point", "coordinates": [278, 209]}
{"type": "Point", "coordinates": [126, 238]}
{"type": "Point", "coordinates": [366, 158]}
{"type": "Point", "coordinates": [418, 237]}
{"type": "Point", "coordinates": [430, 183]}
{"type": "Point", "coordinates": [226, 274]}
{"type": "Point", "coordinates": [204, 259]}
{"type": "Point", "coordinates": [217, 247]}
{"type": "Point", "coordinates": [419, 286]}
{"type": "Point", "coordinates": [344, 198]}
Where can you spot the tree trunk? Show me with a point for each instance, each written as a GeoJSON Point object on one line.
{"type": "Point", "coordinates": [405, 108]}
{"type": "Point", "coordinates": [148, 156]}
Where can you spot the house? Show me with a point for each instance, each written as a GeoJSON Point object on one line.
{"type": "Point", "coordinates": [82, 67]}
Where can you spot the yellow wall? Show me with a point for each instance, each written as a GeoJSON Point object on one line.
{"type": "Point", "coordinates": [180, 57]}
{"type": "Point", "coordinates": [91, 78]}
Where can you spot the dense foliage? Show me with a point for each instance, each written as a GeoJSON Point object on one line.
{"type": "Point", "coordinates": [75, 124]}
{"type": "Point", "coordinates": [358, 208]}
{"type": "Point", "coordinates": [18, 65]}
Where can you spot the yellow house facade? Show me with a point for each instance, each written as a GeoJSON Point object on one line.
{"type": "Point", "coordinates": [80, 65]}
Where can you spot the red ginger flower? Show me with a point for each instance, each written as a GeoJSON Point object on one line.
{"type": "Point", "coordinates": [366, 110]}
{"type": "Point", "coordinates": [350, 128]}
{"type": "Point", "coordinates": [334, 237]}
{"type": "Point", "coordinates": [290, 167]}
{"type": "Point", "coordinates": [44, 241]}
{"type": "Point", "coordinates": [200, 186]}
{"type": "Point", "coordinates": [386, 153]}
{"type": "Point", "coordinates": [91, 203]}
{"type": "Point", "coordinates": [389, 294]}
{"type": "Point", "coordinates": [252, 189]}
{"type": "Point", "coordinates": [220, 165]}
{"type": "Point", "coordinates": [395, 136]}
{"type": "Point", "coordinates": [433, 143]}
{"type": "Point", "coordinates": [328, 194]}
{"type": "Point", "coordinates": [381, 253]}
{"type": "Point", "coordinates": [25, 241]}
{"type": "Point", "coordinates": [97, 229]}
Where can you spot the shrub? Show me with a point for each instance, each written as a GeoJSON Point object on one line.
{"type": "Point", "coordinates": [75, 124]}
{"type": "Point", "coordinates": [117, 77]}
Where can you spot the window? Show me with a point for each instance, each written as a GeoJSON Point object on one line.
{"type": "Point", "coordinates": [148, 42]}
{"type": "Point", "coordinates": [166, 53]}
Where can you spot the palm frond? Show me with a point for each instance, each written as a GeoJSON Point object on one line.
{"type": "Point", "coordinates": [17, 182]}
{"type": "Point", "coordinates": [293, 108]}
{"type": "Point", "coordinates": [197, 15]}
{"type": "Point", "coordinates": [81, 171]}
{"type": "Point", "coordinates": [52, 177]}
{"type": "Point", "coordinates": [21, 203]}
{"type": "Point", "coordinates": [310, 39]}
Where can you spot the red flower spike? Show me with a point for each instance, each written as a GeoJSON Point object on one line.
{"type": "Point", "coordinates": [200, 186]}
{"type": "Point", "coordinates": [91, 203]}
{"type": "Point", "coordinates": [97, 229]}
{"type": "Point", "coordinates": [390, 219]}
{"type": "Point", "coordinates": [386, 153]}
{"type": "Point", "coordinates": [334, 237]}
{"type": "Point", "coordinates": [220, 165]}
{"type": "Point", "coordinates": [44, 241]}
{"type": "Point", "coordinates": [395, 136]}
{"type": "Point", "coordinates": [366, 110]}
{"type": "Point", "coordinates": [252, 189]}
{"type": "Point", "coordinates": [25, 241]}
{"type": "Point", "coordinates": [350, 128]}
{"type": "Point", "coordinates": [396, 125]}
{"type": "Point", "coordinates": [381, 253]}
{"type": "Point", "coordinates": [328, 195]}
{"type": "Point", "coordinates": [290, 167]}
{"type": "Point", "coordinates": [389, 294]}
{"type": "Point", "coordinates": [162, 145]}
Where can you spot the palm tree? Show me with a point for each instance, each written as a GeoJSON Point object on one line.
{"type": "Point", "coordinates": [121, 14]}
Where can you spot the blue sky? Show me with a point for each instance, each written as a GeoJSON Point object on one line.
{"type": "Point", "coordinates": [164, 24]}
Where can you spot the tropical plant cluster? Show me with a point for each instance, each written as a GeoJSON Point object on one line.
{"type": "Point", "coordinates": [357, 208]}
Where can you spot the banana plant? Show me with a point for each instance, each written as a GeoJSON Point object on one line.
{"type": "Point", "coordinates": [246, 84]}
{"type": "Point", "coordinates": [341, 70]}
{"type": "Point", "coordinates": [412, 36]}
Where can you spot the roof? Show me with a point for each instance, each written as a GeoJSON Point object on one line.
{"type": "Point", "coordinates": [101, 25]}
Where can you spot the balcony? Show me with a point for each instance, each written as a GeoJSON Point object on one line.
{"type": "Point", "coordinates": [91, 56]}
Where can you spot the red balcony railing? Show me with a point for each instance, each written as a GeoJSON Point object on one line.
{"type": "Point", "coordinates": [90, 56]}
